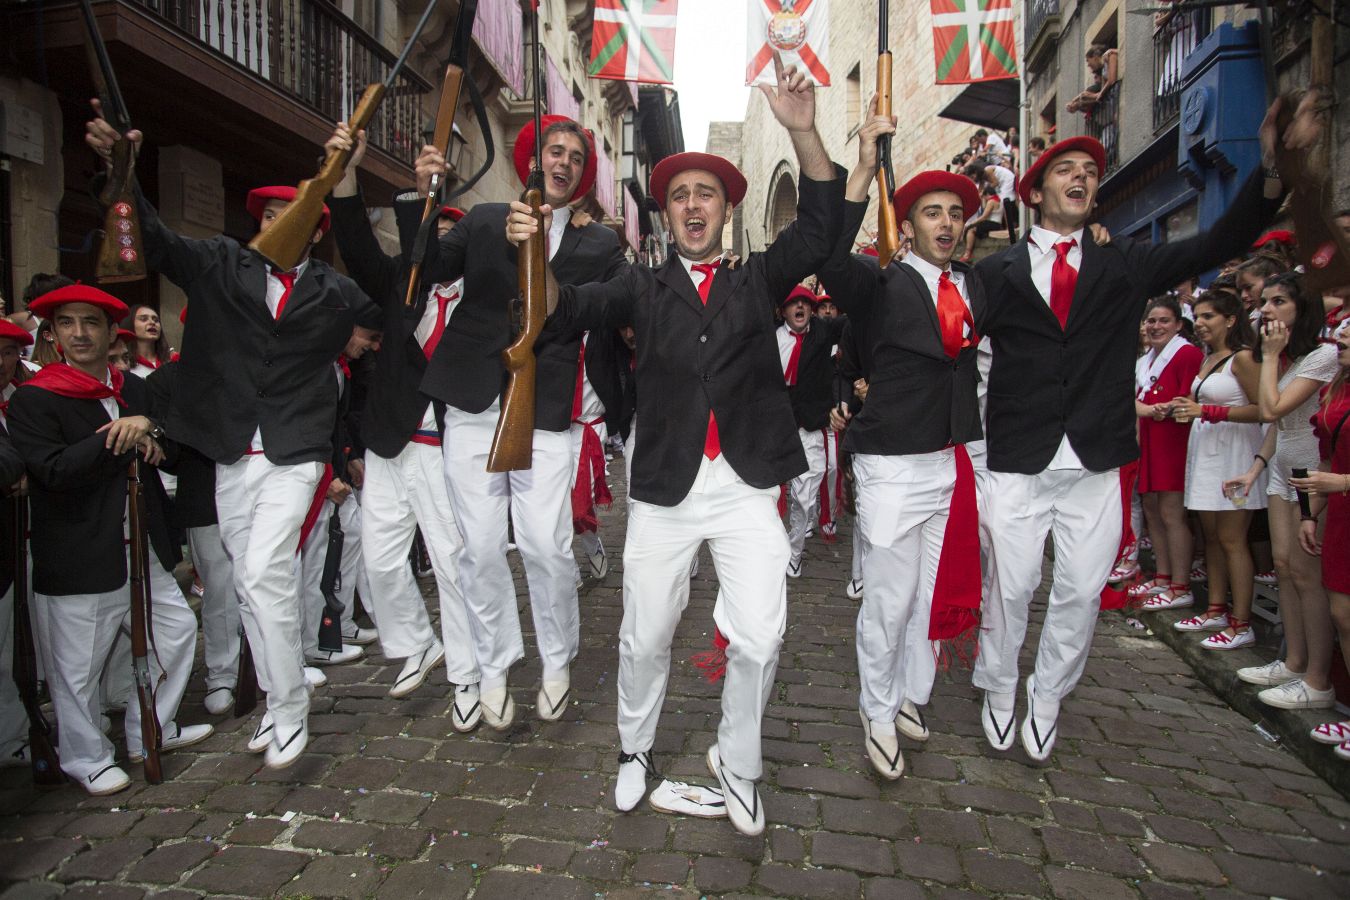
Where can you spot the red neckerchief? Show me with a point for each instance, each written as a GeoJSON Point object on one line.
{"type": "Point", "coordinates": [67, 381]}
{"type": "Point", "coordinates": [345, 366]}
{"type": "Point", "coordinates": [148, 363]}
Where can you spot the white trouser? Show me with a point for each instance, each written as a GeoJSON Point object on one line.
{"type": "Point", "coordinates": [351, 573]}
{"type": "Point", "coordinates": [13, 717]}
{"type": "Point", "coordinates": [220, 606]}
{"type": "Point", "coordinates": [750, 550]}
{"type": "Point", "coordinates": [830, 494]}
{"type": "Point", "coordinates": [589, 540]}
{"type": "Point", "coordinates": [81, 631]}
{"type": "Point", "coordinates": [261, 507]}
{"type": "Point", "coordinates": [400, 495]}
{"type": "Point", "coordinates": [903, 507]}
{"type": "Point", "coordinates": [541, 512]}
{"type": "Point", "coordinates": [1081, 509]}
{"type": "Point", "coordinates": [115, 684]}
{"type": "Point", "coordinates": [803, 492]}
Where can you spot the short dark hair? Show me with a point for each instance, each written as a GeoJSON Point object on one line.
{"type": "Point", "coordinates": [1166, 301]}
{"type": "Point", "coordinates": [974, 171]}
{"type": "Point", "coordinates": [1229, 305]}
{"type": "Point", "coordinates": [1306, 332]}
{"type": "Point", "coordinates": [1037, 143]}
{"type": "Point", "coordinates": [567, 126]}
{"type": "Point", "coordinates": [44, 283]}
{"type": "Point", "coordinates": [981, 133]}
{"type": "Point", "coordinates": [1096, 50]}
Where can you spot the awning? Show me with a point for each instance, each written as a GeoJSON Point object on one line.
{"type": "Point", "coordinates": [992, 104]}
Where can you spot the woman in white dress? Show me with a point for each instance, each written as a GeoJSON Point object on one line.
{"type": "Point", "coordinates": [1225, 438]}
{"type": "Point", "coordinates": [1294, 367]}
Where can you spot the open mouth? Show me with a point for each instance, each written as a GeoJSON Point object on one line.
{"type": "Point", "coordinates": [696, 227]}
{"type": "Point", "coordinates": [945, 241]}
{"type": "Point", "coordinates": [560, 182]}
{"type": "Point", "coordinates": [1076, 193]}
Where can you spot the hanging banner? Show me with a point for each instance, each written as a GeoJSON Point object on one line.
{"type": "Point", "coordinates": [973, 40]}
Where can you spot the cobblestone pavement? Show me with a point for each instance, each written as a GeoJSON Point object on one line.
{"type": "Point", "coordinates": [1156, 789]}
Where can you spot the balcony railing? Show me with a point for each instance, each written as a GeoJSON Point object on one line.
{"type": "Point", "coordinates": [1173, 40]}
{"type": "Point", "coordinates": [1038, 11]}
{"type": "Point", "coordinates": [1103, 123]}
{"type": "Point", "coordinates": [310, 52]}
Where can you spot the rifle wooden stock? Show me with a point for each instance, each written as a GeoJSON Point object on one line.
{"type": "Point", "coordinates": [445, 125]}
{"type": "Point", "coordinates": [41, 754]}
{"type": "Point", "coordinates": [888, 234]}
{"type": "Point", "coordinates": [513, 443]}
{"type": "Point", "coordinates": [121, 257]}
{"type": "Point", "coordinates": [141, 637]}
{"type": "Point", "coordinates": [246, 684]}
{"type": "Point", "coordinates": [283, 243]}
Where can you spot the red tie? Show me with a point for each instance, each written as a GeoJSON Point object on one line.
{"type": "Point", "coordinates": [1063, 280]}
{"type": "Point", "coordinates": [712, 444]}
{"type": "Point", "coordinates": [287, 280]}
{"type": "Point", "coordinates": [438, 329]}
{"type": "Point", "coordinates": [581, 377]}
{"type": "Point", "coordinates": [794, 359]}
{"type": "Point", "coordinates": [953, 316]}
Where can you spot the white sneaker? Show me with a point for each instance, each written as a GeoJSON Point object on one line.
{"type": "Point", "coordinates": [634, 770]}
{"type": "Point", "coordinates": [598, 561]}
{"type": "Point", "coordinates": [361, 636]}
{"type": "Point", "coordinates": [998, 720]}
{"type": "Point", "coordinates": [174, 737]}
{"type": "Point", "coordinates": [218, 700]}
{"type": "Point", "coordinates": [1271, 673]}
{"type": "Point", "coordinates": [348, 653]}
{"type": "Point", "coordinates": [1332, 733]}
{"type": "Point", "coordinates": [551, 702]}
{"type": "Point", "coordinates": [314, 678]}
{"type": "Point", "coordinates": [1039, 727]}
{"type": "Point", "coordinates": [1297, 695]}
{"type": "Point", "coordinates": [794, 569]}
{"type": "Point", "coordinates": [910, 722]}
{"type": "Point", "coordinates": [1203, 622]}
{"type": "Point", "coordinates": [287, 745]}
{"type": "Point", "coordinates": [883, 748]}
{"type": "Point", "coordinates": [417, 668]}
{"type": "Point", "coordinates": [262, 735]}
{"type": "Point", "coordinates": [498, 709]}
{"type": "Point", "coordinates": [467, 710]}
{"type": "Point", "coordinates": [1168, 600]}
{"type": "Point", "coordinates": [108, 780]}
{"type": "Point", "coordinates": [854, 590]}
{"type": "Point", "coordinates": [743, 806]}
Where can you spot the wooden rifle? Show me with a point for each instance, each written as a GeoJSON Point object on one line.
{"type": "Point", "coordinates": [888, 233]}
{"type": "Point", "coordinates": [330, 624]}
{"type": "Point", "coordinates": [142, 636]}
{"type": "Point", "coordinates": [41, 753]}
{"type": "Point", "coordinates": [284, 243]}
{"type": "Point", "coordinates": [443, 133]}
{"type": "Point", "coordinates": [121, 256]}
{"type": "Point", "coordinates": [246, 684]}
{"type": "Point", "coordinates": [513, 442]}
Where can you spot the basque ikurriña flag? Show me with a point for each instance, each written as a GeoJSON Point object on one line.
{"type": "Point", "coordinates": [634, 40]}
{"type": "Point", "coordinates": [973, 40]}
{"type": "Point", "coordinates": [798, 29]}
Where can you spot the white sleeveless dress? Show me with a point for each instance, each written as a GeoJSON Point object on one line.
{"type": "Point", "coordinates": [1219, 451]}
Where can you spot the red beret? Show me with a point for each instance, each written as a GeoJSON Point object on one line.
{"type": "Point", "coordinates": [1031, 179]}
{"type": "Point", "coordinates": [733, 182]}
{"type": "Point", "coordinates": [524, 149]}
{"type": "Point", "coordinates": [911, 191]}
{"type": "Point", "coordinates": [800, 293]}
{"type": "Point", "coordinates": [47, 304]}
{"type": "Point", "coordinates": [127, 337]}
{"type": "Point", "coordinates": [824, 298]}
{"type": "Point", "coordinates": [258, 197]}
{"type": "Point", "coordinates": [1282, 237]}
{"type": "Point", "coordinates": [11, 332]}
{"type": "Point", "coordinates": [182, 315]}
{"type": "Point", "coordinates": [454, 213]}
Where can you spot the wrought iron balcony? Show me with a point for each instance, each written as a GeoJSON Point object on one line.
{"type": "Point", "coordinates": [1103, 123]}
{"type": "Point", "coordinates": [309, 51]}
{"type": "Point", "coordinates": [1041, 28]}
{"type": "Point", "coordinates": [1174, 38]}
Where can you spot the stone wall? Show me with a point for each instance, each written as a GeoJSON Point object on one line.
{"type": "Point", "coordinates": [32, 128]}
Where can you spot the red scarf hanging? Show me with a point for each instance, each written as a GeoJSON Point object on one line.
{"type": "Point", "coordinates": [957, 591]}
{"type": "Point", "coordinates": [590, 488]}
{"type": "Point", "coordinates": [65, 380]}
{"type": "Point", "coordinates": [1119, 598]}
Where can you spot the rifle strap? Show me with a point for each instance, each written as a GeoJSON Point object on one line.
{"type": "Point", "coordinates": [485, 128]}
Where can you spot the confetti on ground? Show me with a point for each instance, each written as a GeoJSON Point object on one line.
{"type": "Point", "coordinates": [290, 814]}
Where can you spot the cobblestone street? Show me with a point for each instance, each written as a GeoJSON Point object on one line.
{"type": "Point", "coordinates": [1156, 789]}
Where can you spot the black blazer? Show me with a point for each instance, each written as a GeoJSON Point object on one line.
{"type": "Point", "coordinates": [813, 394]}
{"type": "Point", "coordinates": [722, 356]}
{"type": "Point", "coordinates": [11, 470]}
{"type": "Point", "coordinates": [194, 502]}
{"type": "Point", "coordinates": [391, 406]}
{"type": "Point", "coordinates": [242, 369]}
{"type": "Point", "coordinates": [854, 362]}
{"type": "Point", "coordinates": [605, 357]}
{"type": "Point", "coordinates": [78, 491]}
{"type": "Point", "coordinates": [466, 371]}
{"type": "Point", "coordinates": [1049, 381]}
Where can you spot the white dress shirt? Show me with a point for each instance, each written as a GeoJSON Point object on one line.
{"type": "Point", "coordinates": [931, 275]}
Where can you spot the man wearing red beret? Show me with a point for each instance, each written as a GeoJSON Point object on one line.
{"type": "Point", "coordinates": [255, 393]}
{"type": "Point", "coordinates": [1064, 319]}
{"type": "Point", "coordinates": [466, 374]}
{"type": "Point", "coordinates": [77, 424]}
{"type": "Point", "coordinates": [804, 347]}
{"type": "Point", "coordinates": [915, 484]}
{"type": "Point", "coordinates": [718, 438]}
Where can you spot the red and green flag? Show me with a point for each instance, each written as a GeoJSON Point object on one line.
{"type": "Point", "coordinates": [634, 40]}
{"type": "Point", "coordinates": [973, 40]}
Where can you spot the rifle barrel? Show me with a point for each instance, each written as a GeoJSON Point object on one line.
{"type": "Point", "coordinates": [117, 111]}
